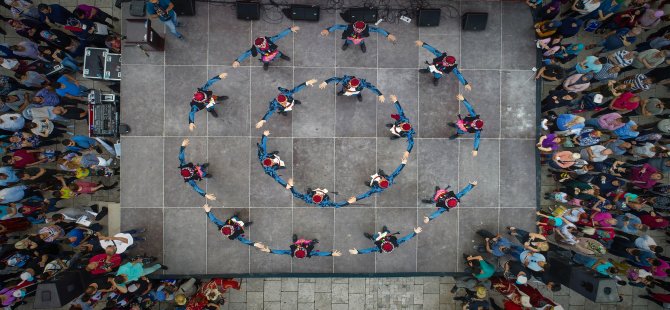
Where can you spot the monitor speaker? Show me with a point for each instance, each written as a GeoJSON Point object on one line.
{"type": "Point", "coordinates": [475, 21]}
{"type": "Point", "coordinates": [61, 290]}
{"type": "Point", "coordinates": [368, 15]}
{"type": "Point", "coordinates": [248, 10]}
{"type": "Point", "coordinates": [428, 17]}
{"type": "Point", "coordinates": [303, 12]}
{"type": "Point", "coordinates": [184, 7]}
{"type": "Point", "coordinates": [587, 283]}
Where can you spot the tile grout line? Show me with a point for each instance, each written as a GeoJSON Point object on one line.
{"type": "Point", "coordinates": [418, 112]}
{"type": "Point", "coordinates": [334, 135]}
{"type": "Point", "coordinates": [458, 157]}
{"type": "Point", "coordinates": [313, 67]}
{"type": "Point", "coordinates": [292, 134]}
{"type": "Point", "coordinates": [207, 132]}
{"type": "Point", "coordinates": [250, 141]}
{"type": "Point", "coordinates": [342, 137]}
{"type": "Point", "coordinates": [500, 113]}
{"type": "Point", "coordinates": [163, 138]}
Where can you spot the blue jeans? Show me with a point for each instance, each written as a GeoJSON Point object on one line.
{"type": "Point", "coordinates": [171, 25]}
{"type": "Point", "coordinates": [70, 63]}
{"type": "Point", "coordinates": [592, 123]}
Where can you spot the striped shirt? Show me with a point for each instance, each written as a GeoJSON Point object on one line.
{"type": "Point", "coordinates": [621, 61]}
{"type": "Point", "coordinates": [604, 74]}
{"type": "Point", "coordinates": [638, 82]}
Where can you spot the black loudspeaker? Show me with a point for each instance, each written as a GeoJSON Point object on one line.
{"type": "Point", "coordinates": [475, 21]}
{"type": "Point", "coordinates": [585, 282]}
{"type": "Point", "coordinates": [303, 12]}
{"type": "Point", "coordinates": [368, 15]}
{"type": "Point", "coordinates": [248, 10]}
{"type": "Point", "coordinates": [184, 7]}
{"type": "Point", "coordinates": [428, 17]}
{"type": "Point", "coordinates": [61, 290]}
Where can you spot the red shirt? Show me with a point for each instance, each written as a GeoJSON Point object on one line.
{"type": "Point", "coordinates": [103, 263]}
{"type": "Point", "coordinates": [624, 102]}
{"type": "Point", "coordinates": [642, 179]}
{"type": "Point", "coordinates": [26, 159]}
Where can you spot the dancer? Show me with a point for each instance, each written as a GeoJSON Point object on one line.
{"type": "Point", "coordinates": [192, 172]}
{"type": "Point", "coordinates": [232, 228]}
{"type": "Point", "coordinates": [266, 48]}
{"type": "Point", "coordinates": [401, 127]}
{"type": "Point", "coordinates": [352, 86]}
{"type": "Point", "coordinates": [445, 200]}
{"type": "Point", "coordinates": [203, 99]}
{"type": "Point", "coordinates": [385, 241]}
{"type": "Point", "coordinates": [380, 181]}
{"type": "Point", "coordinates": [442, 65]}
{"type": "Point", "coordinates": [284, 102]}
{"type": "Point", "coordinates": [318, 196]}
{"type": "Point", "coordinates": [270, 161]}
{"type": "Point", "coordinates": [302, 248]}
{"type": "Point", "coordinates": [468, 124]}
{"type": "Point", "coordinates": [356, 33]}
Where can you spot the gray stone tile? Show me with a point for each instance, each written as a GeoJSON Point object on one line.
{"type": "Point", "coordinates": [481, 49]}
{"type": "Point", "coordinates": [431, 301]}
{"type": "Point", "coordinates": [306, 292]}
{"type": "Point", "coordinates": [265, 191]}
{"type": "Point", "coordinates": [403, 84]}
{"type": "Point", "coordinates": [340, 293]}
{"type": "Point", "coordinates": [438, 166]}
{"type": "Point", "coordinates": [485, 100]}
{"type": "Point", "coordinates": [476, 219]}
{"type": "Point", "coordinates": [403, 52]}
{"type": "Point", "coordinates": [234, 115]}
{"type": "Point", "coordinates": [357, 285]}
{"type": "Point", "coordinates": [143, 104]}
{"type": "Point", "coordinates": [185, 241]}
{"type": "Point", "coordinates": [237, 33]}
{"type": "Point", "coordinates": [355, 159]}
{"type": "Point", "coordinates": [264, 88]}
{"type": "Point", "coordinates": [356, 301]}
{"type": "Point", "coordinates": [192, 50]}
{"type": "Point", "coordinates": [181, 83]}
{"type": "Point", "coordinates": [133, 218]}
{"type": "Point", "coordinates": [518, 104]}
{"type": "Point", "coordinates": [289, 284]}
{"type": "Point", "coordinates": [451, 44]}
{"type": "Point", "coordinates": [305, 306]}
{"type": "Point", "coordinates": [315, 223]}
{"type": "Point", "coordinates": [225, 256]}
{"type": "Point", "coordinates": [403, 193]}
{"type": "Point", "coordinates": [273, 305]}
{"type": "Point", "coordinates": [518, 158]}
{"type": "Point", "coordinates": [230, 170]}
{"type": "Point", "coordinates": [350, 223]}
{"type": "Point", "coordinates": [323, 285]}
{"type": "Point", "coordinates": [438, 240]}
{"type": "Point", "coordinates": [354, 118]}
{"type": "Point", "coordinates": [289, 300]}
{"type": "Point", "coordinates": [322, 301]}
{"type": "Point", "coordinates": [315, 117]}
{"type": "Point", "coordinates": [484, 169]}
{"type": "Point", "coordinates": [312, 49]}
{"type": "Point", "coordinates": [403, 259]}
{"type": "Point", "coordinates": [180, 193]}
{"type": "Point", "coordinates": [437, 106]}
{"type": "Point", "coordinates": [313, 168]}
{"type": "Point", "coordinates": [517, 37]}
{"type": "Point", "coordinates": [146, 188]}
{"type": "Point", "coordinates": [274, 233]}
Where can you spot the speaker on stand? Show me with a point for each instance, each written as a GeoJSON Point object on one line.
{"type": "Point", "coordinates": [61, 290]}
{"type": "Point", "coordinates": [248, 10]}
{"type": "Point", "coordinates": [428, 17]}
{"type": "Point", "coordinates": [475, 21]}
{"type": "Point", "coordinates": [184, 7]}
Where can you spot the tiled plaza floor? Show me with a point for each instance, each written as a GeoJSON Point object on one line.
{"type": "Point", "coordinates": [328, 141]}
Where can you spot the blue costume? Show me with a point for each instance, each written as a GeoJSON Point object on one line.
{"type": "Point", "coordinates": [203, 99]}
{"type": "Point", "coordinates": [276, 106]}
{"type": "Point", "coordinates": [442, 65]}
{"type": "Point", "coordinates": [325, 202]}
{"type": "Point", "coordinates": [302, 249]}
{"type": "Point", "coordinates": [375, 188]}
{"type": "Point", "coordinates": [191, 172]}
{"type": "Point", "coordinates": [356, 33]}
{"type": "Point", "coordinates": [468, 124]}
{"type": "Point", "coordinates": [262, 155]}
{"type": "Point", "coordinates": [233, 224]}
{"type": "Point", "coordinates": [396, 127]}
{"type": "Point", "coordinates": [440, 197]}
{"type": "Point", "coordinates": [349, 90]}
{"type": "Point", "coordinates": [266, 48]}
{"type": "Point", "coordinates": [380, 245]}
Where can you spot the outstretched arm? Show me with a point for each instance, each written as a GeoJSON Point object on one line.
{"type": "Point", "coordinates": [320, 253]}
{"type": "Point", "coordinates": [281, 252]}
{"type": "Point", "coordinates": [406, 238]}
{"type": "Point", "coordinates": [335, 79]}
{"type": "Point", "coordinates": [459, 76]}
{"type": "Point", "coordinates": [410, 140]}
{"type": "Point", "coordinates": [245, 241]}
{"type": "Point", "coordinates": [211, 81]}
{"type": "Point", "coordinates": [262, 148]}
{"type": "Point", "coordinates": [477, 138]}
{"type": "Point", "coordinates": [431, 49]}
{"type": "Point", "coordinates": [244, 55]}
{"type": "Point", "coordinates": [437, 213]}
{"type": "Point", "coordinates": [281, 35]}
{"type": "Point", "coordinates": [191, 114]}
{"type": "Point", "coordinates": [271, 109]}
{"type": "Point", "coordinates": [400, 111]}
{"type": "Point", "coordinates": [336, 27]}
{"type": "Point", "coordinates": [396, 172]}
{"type": "Point", "coordinates": [469, 107]}
{"type": "Point", "coordinates": [294, 90]}
{"type": "Point", "coordinates": [214, 220]}
{"type": "Point", "coordinates": [197, 188]}
{"type": "Point", "coordinates": [371, 87]}
{"type": "Point", "coordinates": [465, 190]}
{"type": "Point", "coordinates": [182, 161]}
{"type": "Point", "coordinates": [368, 250]}
{"type": "Point", "coordinates": [379, 30]}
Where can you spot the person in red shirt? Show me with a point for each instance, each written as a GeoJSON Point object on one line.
{"type": "Point", "coordinates": [104, 262]}
{"type": "Point", "coordinates": [656, 298]}
{"type": "Point", "coordinates": [536, 298]}
{"type": "Point", "coordinates": [623, 104]}
{"type": "Point", "coordinates": [21, 158]}
{"type": "Point", "coordinates": [645, 176]}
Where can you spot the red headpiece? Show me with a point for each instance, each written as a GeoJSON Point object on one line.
{"type": "Point", "coordinates": [281, 98]}
{"type": "Point", "coordinates": [384, 183]}
{"type": "Point", "coordinates": [406, 126]}
{"type": "Point", "coordinates": [450, 60]}
{"type": "Point", "coordinates": [186, 172]}
{"type": "Point", "coordinates": [227, 230]}
{"type": "Point", "coordinates": [300, 253]}
{"type": "Point", "coordinates": [359, 26]}
{"type": "Point", "coordinates": [199, 96]}
{"type": "Point", "coordinates": [478, 124]}
{"type": "Point", "coordinates": [354, 82]}
{"type": "Point", "coordinates": [387, 247]}
{"type": "Point", "coordinates": [267, 162]}
{"type": "Point", "coordinates": [260, 42]}
{"type": "Point", "coordinates": [317, 198]}
{"type": "Point", "coordinates": [451, 202]}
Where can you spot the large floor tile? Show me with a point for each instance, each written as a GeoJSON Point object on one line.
{"type": "Point", "coordinates": [437, 106]}
{"type": "Point", "coordinates": [136, 218]}
{"type": "Point", "coordinates": [402, 259]}
{"type": "Point", "coordinates": [181, 82]}
{"type": "Point", "coordinates": [312, 49]}
{"type": "Point", "coordinates": [273, 228]}
{"type": "Point", "coordinates": [143, 104]}
{"type": "Point", "coordinates": [263, 89]}
{"type": "Point", "coordinates": [313, 168]}
{"type": "Point", "coordinates": [177, 192]}
{"type": "Point", "coordinates": [438, 240]}
{"type": "Point", "coordinates": [355, 159]}
{"type": "Point", "coordinates": [518, 179]}
{"type": "Point", "coordinates": [228, 36]}
{"type": "Point", "coordinates": [523, 218]}
{"type": "Point", "coordinates": [233, 113]}
{"type": "Point", "coordinates": [517, 37]}
{"type": "Point", "coordinates": [316, 116]}
{"type": "Point", "coordinates": [481, 49]}
{"type": "Point", "coordinates": [142, 182]}
{"type": "Point", "coordinates": [265, 191]}
{"type": "Point", "coordinates": [484, 169]}
{"type": "Point", "coordinates": [315, 223]}
{"type": "Point", "coordinates": [399, 54]}
{"type": "Point", "coordinates": [230, 170]}
{"type": "Point", "coordinates": [185, 241]}
{"type": "Point", "coordinates": [518, 104]}
{"type": "Point", "coordinates": [350, 223]}
{"type": "Point", "coordinates": [192, 50]}
{"type": "Point", "coordinates": [356, 118]}
{"type": "Point", "coordinates": [225, 255]}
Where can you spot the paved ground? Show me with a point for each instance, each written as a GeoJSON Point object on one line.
{"type": "Point", "coordinates": [331, 142]}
